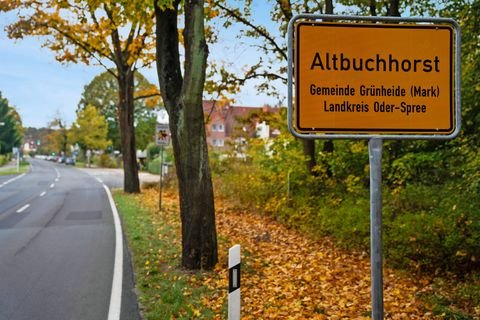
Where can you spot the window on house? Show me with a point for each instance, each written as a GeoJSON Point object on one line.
{"type": "Point", "coordinates": [218, 127]}
{"type": "Point", "coordinates": [218, 142]}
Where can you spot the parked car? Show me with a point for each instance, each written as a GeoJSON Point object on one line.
{"type": "Point", "coordinates": [69, 161]}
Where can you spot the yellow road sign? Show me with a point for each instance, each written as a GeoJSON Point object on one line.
{"type": "Point", "coordinates": [374, 78]}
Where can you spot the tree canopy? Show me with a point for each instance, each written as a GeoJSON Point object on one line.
{"type": "Point", "coordinates": [108, 33]}
{"type": "Point", "coordinates": [10, 127]}
{"type": "Point", "coordinates": [90, 129]}
{"type": "Point", "coordinates": [102, 92]}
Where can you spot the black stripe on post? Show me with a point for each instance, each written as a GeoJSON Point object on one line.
{"type": "Point", "coordinates": [234, 278]}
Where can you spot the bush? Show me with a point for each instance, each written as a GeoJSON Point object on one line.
{"type": "Point", "coordinates": [153, 166]}
{"type": "Point", "coordinates": [427, 168]}
{"type": "Point", "coordinates": [104, 161]}
{"type": "Point", "coordinates": [153, 151]}
{"type": "Point", "coordinates": [432, 227]}
{"type": "Point", "coordinates": [3, 160]}
{"type": "Point", "coordinates": [431, 219]}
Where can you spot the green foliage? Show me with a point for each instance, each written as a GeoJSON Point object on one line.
{"type": "Point", "coordinates": [90, 129]}
{"type": "Point", "coordinates": [431, 219]}
{"type": "Point", "coordinates": [10, 127]}
{"type": "Point", "coordinates": [153, 151]}
{"type": "Point", "coordinates": [347, 219]}
{"type": "Point", "coordinates": [153, 165]}
{"type": "Point", "coordinates": [433, 227]}
{"type": "Point", "coordinates": [3, 159]}
{"type": "Point", "coordinates": [102, 93]}
{"type": "Point", "coordinates": [104, 161]}
{"type": "Point", "coordinates": [145, 131]}
{"type": "Point", "coordinates": [421, 167]}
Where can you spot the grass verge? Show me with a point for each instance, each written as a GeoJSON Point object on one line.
{"type": "Point", "coordinates": [165, 290]}
{"type": "Point", "coordinates": [24, 168]}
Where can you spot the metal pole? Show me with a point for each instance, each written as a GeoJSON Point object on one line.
{"type": "Point", "coordinates": [375, 153]}
{"type": "Point", "coordinates": [161, 179]}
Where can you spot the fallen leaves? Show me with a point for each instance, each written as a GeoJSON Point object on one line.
{"type": "Point", "coordinates": [287, 275]}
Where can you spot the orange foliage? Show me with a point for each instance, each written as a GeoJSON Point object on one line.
{"type": "Point", "coordinates": [287, 275]}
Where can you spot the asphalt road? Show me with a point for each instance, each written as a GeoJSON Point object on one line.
{"type": "Point", "coordinates": [57, 248]}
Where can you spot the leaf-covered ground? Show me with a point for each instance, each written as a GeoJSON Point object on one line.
{"type": "Point", "coordinates": [288, 275]}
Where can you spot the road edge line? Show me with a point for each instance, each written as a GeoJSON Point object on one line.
{"type": "Point", "coordinates": [115, 307]}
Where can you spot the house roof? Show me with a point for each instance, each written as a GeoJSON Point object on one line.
{"type": "Point", "coordinates": [231, 116]}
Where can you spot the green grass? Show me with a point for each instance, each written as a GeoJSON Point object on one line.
{"type": "Point", "coordinates": [165, 291]}
{"type": "Point", "coordinates": [80, 164]}
{"type": "Point", "coordinates": [24, 168]}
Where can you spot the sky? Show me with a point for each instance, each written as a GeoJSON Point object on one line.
{"type": "Point", "coordinates": [41, 89]}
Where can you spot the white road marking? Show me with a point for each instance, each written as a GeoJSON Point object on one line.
{"type": "Point", "coordinates": [99, 180]}
{"type": "Point", "coordinates": [116, 293]}
{"type": "Point", "coordinates": [14, 179]}
{"type": "Point", "coordinates": [52, 185]}
{"type": "Point", "coordinates": [43, 193]}
{"type": "Point", "coordinates": [25, 207]}
{"type": "Point", "coordinates": [58, 173]}
{"type": "Point", "coordinates": [56, 180]}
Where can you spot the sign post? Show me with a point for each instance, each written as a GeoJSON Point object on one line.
{"type": "Point", "coordinates": [376, 255]}
{"type": "Point", "coordinates": [16, 152]}
{"type": "Point", "coordinates": [397, 78]}
{"type": "Point", "coordinates": [162, 138]}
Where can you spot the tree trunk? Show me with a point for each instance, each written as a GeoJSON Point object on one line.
{"type": "Point", "coordinates": [309, 152]}
{"type": "Point", "coordinates": [183, 101]}
{"type": "Point", "coordinates": [329, 6]}
{"type": "Point", "coordinates": [373, 8]}
{"type": "Point", "coordinates": [394, 8]}
{"type": "Point", "coordinates": [127, 131]}
{"type": "Point", "coordinates": [328, 146]}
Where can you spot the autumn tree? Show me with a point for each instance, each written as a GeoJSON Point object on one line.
{"type": "Point", "coordinates": [271, 65]}
{"type": "Point", "coordinates": [182, 96]}
{"type": "Point", "coordinates": [107, 33]}
{"type": "Point", "coordinates": [58, 134]}
{"type": "Point", "coordinates": [467, 14]}
{"type": "Point", "coordinates": [102, 92]}
{"type": "Point", "coordinates": [90, 129]}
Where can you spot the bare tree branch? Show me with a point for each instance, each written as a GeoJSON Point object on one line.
{"type": "Point", "coordinates": [146, 96]}
{"type": "Point", "coordinates": [257, 29]}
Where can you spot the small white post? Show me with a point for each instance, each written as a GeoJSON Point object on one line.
{"type": "Point", "coordinates": [234, 283]}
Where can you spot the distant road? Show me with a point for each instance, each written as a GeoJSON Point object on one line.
{"type": "Point", "coordinates": [57, 248]}
{"type": "Point", "coordinates": [113, 178]}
